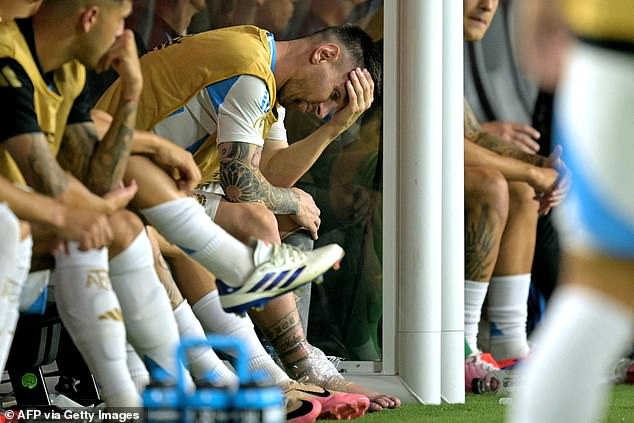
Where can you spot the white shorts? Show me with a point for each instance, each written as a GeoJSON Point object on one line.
{"type": "Point", "coordinates": [10, 229]}
{"type": "Point", "coordinates": [209, 196]}
{"type": "Point", "coordinates": [594, 124]}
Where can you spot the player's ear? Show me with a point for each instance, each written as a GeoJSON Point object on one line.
{"type": "Point", "coordinates": [325, 53]}
{"type": "Point", "coordinates": [88, 17]}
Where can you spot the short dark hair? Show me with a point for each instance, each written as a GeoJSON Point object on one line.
{"type": "Point", "coordinates": [363, 51]}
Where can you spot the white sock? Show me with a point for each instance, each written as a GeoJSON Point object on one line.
{"type": "Point", "coordinates": [582, 336]}
{"type": "Point", "coordinates": [203, 362]}
{"type": "Point", "coordinates": [474, 295]}
{"type": "Point", "coordinates": [10, 289]}
{"type": "Point", "coordinates": [185, 223]}
{"type": "Point", "coordinates": [507, 312]}
{"type": "Point", "coordinates": [214, 319]}
{"type": "Point", "coordinates": [147, 312]}
{"type": "Point", "coordinates": [91, 313]}
{"type": "Point", "coordinates": [138, 372]}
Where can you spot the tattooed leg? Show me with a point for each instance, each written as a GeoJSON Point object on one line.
{"type": "Point", "coordinates": [286, 334]}
{"type": "Point", "coordinates": [486, 211]}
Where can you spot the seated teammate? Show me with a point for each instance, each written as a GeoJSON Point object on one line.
{"type": "Point", "coordinates": [224, 110]}
{"type": "Point", "coordinates": [502, 184]}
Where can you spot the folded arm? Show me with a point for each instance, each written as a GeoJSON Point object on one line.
{"type": "Point", "coordinates": [473, 132]}
{"type": "Point", "coordinates": [283, 165]}
{"type": "Point", "coordinates": [242, 180]}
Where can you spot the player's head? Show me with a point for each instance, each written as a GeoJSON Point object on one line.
{"type": "Point", "coordinates": [477, 16]}
{"type": "Point", "coordinates": [97, 24]}
{"type": "Point", "coordinates": [12, 9]}
{"type": "Point", "coordinates": [318, 82]}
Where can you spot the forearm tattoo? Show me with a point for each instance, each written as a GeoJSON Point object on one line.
{"type": "Point", "coordinates": [474, 133]}
{"type": "Point", "coordinates": [78, 146]}
{"type": "Point", "coordinates": [243, 182]}
{"type": "Point", "coordinates": [503, 148]}
{"type": "Point", "coordinates": [47, 177]}
{"type": "Point", "coordinates": [479, 244]}
{"type": "Point", "coordinates": [111, 155]}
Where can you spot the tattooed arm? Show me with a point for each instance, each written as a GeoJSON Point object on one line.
{"type": "Point", "coordinates": [42, 172]}
{"type": "Point", "coordinates": [101, 164]}
{"type": "Point", "coordinates": [111, 155]}
{"type": "Point", "coordinates": [474, 133]}
{"type": "Point", "coordinates": [284, 165]}
{"type": "Point", "coordinates": [242, 181]}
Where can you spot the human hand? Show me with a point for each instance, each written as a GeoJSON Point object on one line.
{"type": "Point", "coordinates": [308, 214]}
{"type": "Point", "coordinates": [360, 88]}
{"type": "Point", "coordinates": [176, 161]}
{"type": "Point", "coordinates": [123, 57]}
{"type": "Point", "coordinates": [119, 198]}
{"type": "Point", "coordinates": [561, 186]}
{"type": "Point", "coordinates": [522, 136]}
{"type": "Point", "coordinates": [90, 229]}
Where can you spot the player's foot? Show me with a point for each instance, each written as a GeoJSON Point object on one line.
{"type": "Point", "coordinates": [334, 405]}
{"type": "Point", "coordinates": [278, 270]}
{"type": "Point", "coordinates": [302, 411]}
{"type": "Point", "coordinates": [315, 368]}
{"type": "Point", "coordinates": [477, 366]}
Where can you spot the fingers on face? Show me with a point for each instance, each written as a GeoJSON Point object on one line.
{"type": "Point", "coordinates": [360, 88]}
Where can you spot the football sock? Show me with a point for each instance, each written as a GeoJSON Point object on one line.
{"type": "Point", "coordinates": [203, 362]}
{"type": "Point", "coordinates": [184, 223]}
{"type": "Point", "coordinates": [91, 313]}
{"type": "Point", "coordinates": [474, 295]}
{"type": "Point", "coordinates": [214, 319]}
{"type": "Point", "coordinates": [564, 379]}
{"type": "Point", "coordinates": [147, 312]}
{"type": "Point", "coordinates": [507, 313]}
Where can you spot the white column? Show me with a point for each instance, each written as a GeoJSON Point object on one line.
{"type": "Point", "coordinates": [420, 40]}
{"type": "Point", "coordinates": [452, 336]}
{"type": "Point", "coordinates": [391, 164]}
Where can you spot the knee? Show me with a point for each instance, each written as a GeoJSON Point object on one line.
{"type": "Point", "coordinates": [300, 239]}
{"type": "Point", "coordinates": [262, 222]}
{"type": "Point", "coordinates": [126, 226]}
{"type": "Point", "coordinates": [486, 187]}
{"type": "Point", "coordinates": [521, 197]}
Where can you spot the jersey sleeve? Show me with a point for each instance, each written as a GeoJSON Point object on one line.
{"type": "Point", "coordinates": [242, 104]}
{"type": "Point", "coordinates": [16, 107]}
{"type": "Point", "coordinates": [278, 130]}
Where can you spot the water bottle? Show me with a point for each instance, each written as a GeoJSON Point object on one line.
{"type": "Point", "coordinates": [210, 403]}
{"type": "Point", "coordinates": [499, 382]}
{"type": "Point", "coordinates": [258, 401]}
{"type": "Point", "coordinates": [162, 402]}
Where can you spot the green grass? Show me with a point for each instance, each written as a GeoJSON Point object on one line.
{"type": "Point", "coordinates": [485, 409]}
